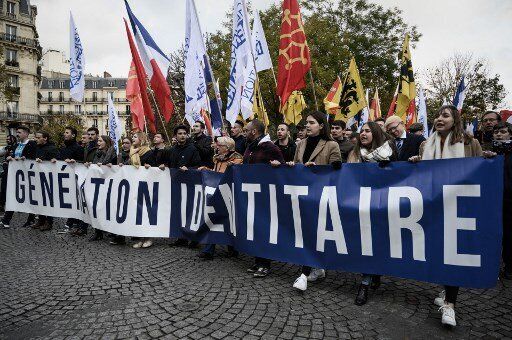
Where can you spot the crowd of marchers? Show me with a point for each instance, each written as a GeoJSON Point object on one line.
{"type": "Point", "coordinates": [316, 142]}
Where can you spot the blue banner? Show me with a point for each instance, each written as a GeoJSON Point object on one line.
{"type": "Point", "coordinates": [435, 221]}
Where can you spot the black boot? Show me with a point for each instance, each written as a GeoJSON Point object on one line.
{"type": "Point", "coordinates": [362, 295]}
{"type": "Point", "coordinates": [375, 282]}
{"type": "Point", "coordinates": [98, 235]}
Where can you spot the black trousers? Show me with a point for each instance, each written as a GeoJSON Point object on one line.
{"type": "Point", "coordinates": [261, 262]}
{"type": "Point", "coordinates": [9, 214]}
{"type": "Point", "coordinates": [451, 294]}
{"type": "Point", "coordinates": [3, 186]}
{"type": "Point", "coordinates": [306, 270]}
{"type": "Point", "coordinates": [507, 236]}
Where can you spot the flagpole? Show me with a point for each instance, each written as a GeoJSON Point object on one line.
{"type": "Point", "coordinates": [150, 90]}
{"type": "Point", "coordinates": [215, 86]}
{"type": "Point", "coordinates": [313, 86]}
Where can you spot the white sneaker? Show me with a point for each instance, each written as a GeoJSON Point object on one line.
{"type": "Point", "coordinates": [147, 244]}
{"type": "Point", "coordinates": [5, 226]}
{"type": "Point", "coordinates": [448, 317]}
{"type": "Point", "coordinates": [439, 301]}
{"type": "Point", "coordinates": [138, 245]}
{"type": "Point", "coordinates": [301, 283]}
{"type": "Point", "coordinates": [316, 274]}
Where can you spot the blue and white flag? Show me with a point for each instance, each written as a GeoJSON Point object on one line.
{"type": "Point", "coordinates": [250, 75]}
{"type": "Point", "coordinates": [259, 45]}
{"type": "Point", "coordinates": [196, 96]}
{"type": "Point", "coordinates": [114, 124]}
{"type": "Point", "coordinates": [460, 95]}
{"type": "Point", "coordinates": [76, 63]}
{"type": "Point", "coordinates": [240, 53]}
{"type": "Point", "coordinates": [422, 112]}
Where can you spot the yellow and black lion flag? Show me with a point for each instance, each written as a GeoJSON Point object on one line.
{"type": "Point", "coordinates": [406, 85]}
{"type": "Point", "coordinates": [292, 110]}
{"type": "Point", "coordinates": [352, 98]}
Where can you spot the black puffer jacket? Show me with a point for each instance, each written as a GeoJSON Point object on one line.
{"type": "Point", "coordinates": [288, 150]}
{"type": "Point", "coordinates": [71, 150]}
{"type": "Point", "coordinates": [47, 152]}
{"type": "Point", "coordinates": [90, 152]}
{"type": "Point", "coordinates": [184, 155]}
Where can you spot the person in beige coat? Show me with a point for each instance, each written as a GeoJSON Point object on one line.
{"type": "Point", "coordinates": [317, 149]}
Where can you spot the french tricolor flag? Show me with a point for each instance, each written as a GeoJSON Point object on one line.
{"type": "Point", "coordinates": [155, 63]}
{"type": "Point", "coordinates": [460, 95]}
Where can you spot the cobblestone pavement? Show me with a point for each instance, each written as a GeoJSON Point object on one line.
{"type": "Point", "coordinates": [60, 287]}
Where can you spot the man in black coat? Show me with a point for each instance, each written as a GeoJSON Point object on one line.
{"type": "Point", "coordinates": [45, 151]}
{"type": "Point", "coordinates": [183, 155]}
{"type": "Point", "coordinates": [71, 152]}
{"type": "Point", "coordinates": [203, 143]}
{"type": "Point", "coordinates": [285, 143]}
{"type": "Point", "coordinates": [25, 149]}
{"type": "Point", "coordinates": [92, 147]}
{"type": "Point", "coordinates": [408, 145]}
{"type": "Point", "coordinates": [238, 137]}
{"type": "Point", "coordinates": [160, 152]}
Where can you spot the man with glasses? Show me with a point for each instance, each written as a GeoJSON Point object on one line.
{"type": "Point", "coordinates": [485, 135]}
{"type": "Point", "coordinates": [408, 145]}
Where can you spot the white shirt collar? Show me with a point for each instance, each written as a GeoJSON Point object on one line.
{"type": "Point", "coordinates": [404, 135]}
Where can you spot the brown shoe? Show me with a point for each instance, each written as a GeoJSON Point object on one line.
{"type": "Point", "coordinates": [37, 225]}
{"type": "Point", "coordinates": [46, 226]}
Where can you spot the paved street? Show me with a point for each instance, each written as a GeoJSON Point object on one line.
{"type": "Point", "coordinates": [60, 287]}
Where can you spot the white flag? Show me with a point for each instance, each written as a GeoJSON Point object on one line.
{"type": "Point", "coordinates": [76, 63]}
{"type": "Point", "coordinates": [196, 98]}
{"type": "Point", "coordinates": [259, 45]}
{"type": "Point", "coordinates": [250, 73]}
{"type": "Point", "coordinates": [114, 124]}
{"type": "Point", "coordinates": [422, 112]}
{"type": "Point", "coordinates": [240, 47]}
{"type": "Point", "coordinates": [365, 113]}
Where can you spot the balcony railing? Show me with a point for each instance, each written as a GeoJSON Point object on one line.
{"type": "Point", "coordinates": [19, 40]}
{"type": "Point", "coordinates": [12, 63]}
{"type": "Point", "coordinates": [10, 15]}
{"type": "Point", "coordinates": [19, 117]}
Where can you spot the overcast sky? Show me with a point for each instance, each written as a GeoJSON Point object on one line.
{"type": "Point", "coordinates": [483, 27]}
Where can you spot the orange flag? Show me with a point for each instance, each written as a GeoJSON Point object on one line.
{"type": "Point", "coordinates": [375, 111]}
{"type": "Point", "coordinates": [134, 97]}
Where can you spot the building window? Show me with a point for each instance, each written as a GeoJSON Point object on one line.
{"type": "Point", "coordinates": [95, 96]}
{"type": "Point", "coordinates": [111, 95]}
{"type": "Point", "coordinates": [50, 108]}
{"type": "Point", "coordinates": [61, 108]}
{"type": "Point", "coordinates": [78, 109]}
{"type": "Point", "coordinates": [62, 84]}
{"type": "Point", "coordinates": [50, 96]}
{"type": "Point", "coordinates": [11, 8]}
{"type": "Point", "coordinates": [10, 32]}
{"type": "Point", "coordinates": [12, 108]}
{"type": "Point", "coordinates": [95, 109]}
{"type": "Point", "coordinates": [94, 84]}
{"type": "Point", "coordinates": [127, 109]}
{"type": "Point", "coordinates": [61, 96]}
{"type": "Point", "coordinates": [95, 122]}
{"type": "Point", "coordinates": [52, 84]}
{"type": "Point", "coordinates": [13, 80]}
{"type": "Point", "coordinates": [11, 55]}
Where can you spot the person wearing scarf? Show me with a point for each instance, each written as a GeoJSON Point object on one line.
{"type": "Point", "coordinates": [318, 148]}
{"type": "Point", "coordinates": [141, 155]}
{"type": "Point", "coordinates": [225, 157]}
{"type": "Point", "coordinates": [373, 146]}
{"type": "Point", "coordinates": [448, 141]}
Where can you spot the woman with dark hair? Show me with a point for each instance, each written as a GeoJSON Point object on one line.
{"type": "Point", "coordinates": [124, 153]}
{"type": "Point", "coordinates": [448, 141]}
{"type": "Point", "coordinates": [106, 155]}
{"type": "Point", "coordinates": [373, 145]}
{"type": "Point", "coordinates": [318, 148]}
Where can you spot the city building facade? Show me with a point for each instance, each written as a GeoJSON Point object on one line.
{"type": "Point", "coordinates": [21, 54]}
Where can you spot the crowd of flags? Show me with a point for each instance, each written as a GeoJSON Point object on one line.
{"type": "Point", "coordinates": [150, 96]}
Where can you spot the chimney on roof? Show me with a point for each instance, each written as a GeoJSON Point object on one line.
{"type": "Point", "coordinates": [107, 75]}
